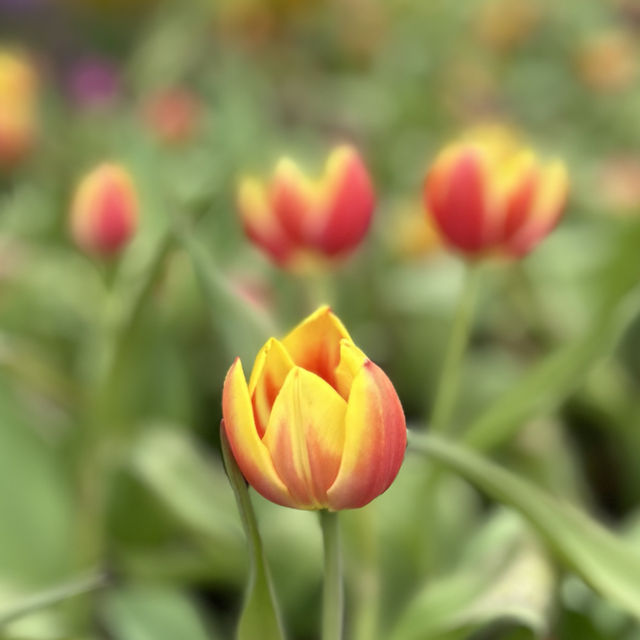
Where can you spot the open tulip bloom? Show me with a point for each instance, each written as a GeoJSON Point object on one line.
{"type": "Point", "coordinates": [318, 426]}
{"type": "Point", "coordinates": [487, 195]}
{"type": "Point", "coordinates": [296, 220]}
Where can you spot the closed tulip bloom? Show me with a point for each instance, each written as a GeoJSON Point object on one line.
{"type": "Point", "coordinates": [318, 426]}
{"type": "Point", "coordinates": [487, 195]}
{"type": "Point", "coordinates": [296, 220]}
{"type": "Point", "coordinates": [104, 213]}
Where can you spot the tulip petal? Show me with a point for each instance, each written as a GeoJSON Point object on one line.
{"type": "Point", "coordinates": [260, 222]}
{"type": "Point", "coordinates": [375, 441]}
{"type": "Point", "coordinates": [267, 377]}
{"type": "Point", "coordinates": [351, 361]}
{"type": "Point", "coordinates": [314, 344]}
{"type": "Point", "coordinates": [250, 453]}
{"type": "Point", "coordinates": [547, 208]}
{"type": "Point", "coordinates": [305, 437]}
{"type": "Point", "coordinates": [456, 194]}
{"type": "Point", "coordinates": [348, 202]}
{"type": "Point", "coordinates": [293, 197]}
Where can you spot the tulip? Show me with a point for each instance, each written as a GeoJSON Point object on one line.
{"type": "Point", "coordinates": [104, 213]}
{"type": "Point", "coordinates": [18, 117]}
{"type": "Point", "coordinates": [319, 426]}
{"type": "Point", "coordinates": [488, 195]}
{"type": "Point", "coordinates": [173, 115]}
{"type": "Point", "coordinates": [297, 221]}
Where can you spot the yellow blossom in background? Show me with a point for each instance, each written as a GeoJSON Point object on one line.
{"type": "Point", "coordinates": [607, 61]}
{"type": "Point", "coordinates": [411, 235]}
{"type": "Point", "coordinates": [505, 24]}
{"type": "Point", "coordinates": [18, 107]}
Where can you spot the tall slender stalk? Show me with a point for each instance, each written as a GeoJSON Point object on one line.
{"type": "Point", "coordinates": [450, 375]}
{"type": "Point", "coordinates": [332, 595]}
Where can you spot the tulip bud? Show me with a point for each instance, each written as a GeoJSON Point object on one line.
{"type": "Point", "coordinates": [487, 195]}
{"type": "Point", "coordinates": [104, 213]}
{"type": "Point", "coordinates": [319, 426]}
{"type": "Point", "coordinates": [296, 220]}
{"type": "Point", "coordinates": [173, 115]}
{"type": "Point", "coordinates": [18, 119]}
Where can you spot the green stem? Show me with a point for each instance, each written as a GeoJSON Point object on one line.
{"type": "Point", "coordinates": [450, 375]}
{"type": "Point", "coordinates": [260, 617]}
{"type": "Point", "coordinates": [52, 596]}
{"type": "Point", "coordinates": [100, 438]}
{"type": "Point", "coordinates": [332, 596]}
{"type": "Point", "coordinates": [318, 288]}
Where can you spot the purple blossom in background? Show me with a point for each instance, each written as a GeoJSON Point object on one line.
{"type": "Point", "coordinates": [93, 82]}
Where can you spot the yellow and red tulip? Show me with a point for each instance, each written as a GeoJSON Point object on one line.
{"type": "Point", "coordinates": [296, 220]}
{"type": "Point", "coordinates": [487, 195]}
{"type": "Point", "coordinates": [18, 108]}
{"type": "Point", "coordinates": [104, 212]}
{"type": "Point", "coordinates": [318, 426]}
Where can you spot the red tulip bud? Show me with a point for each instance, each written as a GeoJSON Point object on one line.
{"type": "Point", "coordinates": [104, 213]}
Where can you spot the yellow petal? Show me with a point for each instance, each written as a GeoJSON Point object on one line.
{"type": "Point", "coordinates": [351, 361]}
{"type": "Point", "coordinates": [314, 344]}
{"type": "Point", "coordinates": [305, 437]}
{"type": "Point", "coordinates": [269, 372]}
{"type": "Point", "coordinates": [375, 441]}
{"type": "Point", "coordinates": [250, 453]}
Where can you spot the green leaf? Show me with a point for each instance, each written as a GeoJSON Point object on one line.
{"type": "Point", "coordinates": [49, 597]}
{"type": "Point", "coordinates": [242, 327]}
{"type": "Point", "coordinates": [603, 560]}
{"type": "Point", "coordinates": [503, 578]}
{"type": "Point", "coordinates": [260, 617]}
{"type": "Point", "coordinates": [194, 489]}
{"type": "Point", "coordinates": [553, 378]}
{"type": "Point", "coordinates": [153, 613]}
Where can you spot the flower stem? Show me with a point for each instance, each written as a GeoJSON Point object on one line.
{"type": "Point", "coordinates": [450, 375]}
{"type": "Point", "coordinates": [332, 596]}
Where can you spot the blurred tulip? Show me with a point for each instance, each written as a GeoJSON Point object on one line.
{"type": "Point", "coordinates": [618, 184]}
{"type": "Point", "coordinates": [608, 61]}
{"type": "Point", "coordinates": [486, 195]}
{"type": "Point", "coordinates": [18, 108]}
{"type": "Point", "coordinates": [319, 426]}
{"type": "Point", "coordinates": [104, 213]}
{"type": "Point", "coordinates": [505, 24]}
{"type": "Point", "coordinates": [172, 115]}
{"type": "Point", "coordinates": [296, 220]}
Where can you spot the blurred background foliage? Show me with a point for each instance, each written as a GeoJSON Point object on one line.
{"type": "Point", "coordinates": [111, 371]}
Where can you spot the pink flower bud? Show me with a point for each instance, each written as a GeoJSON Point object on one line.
{"type": "Point", "coordinates": [104, 213]}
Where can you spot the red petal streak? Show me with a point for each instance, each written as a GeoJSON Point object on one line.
{"type": "Point", "coordinates": [518, 205]}
{"type": "Point", "coordinates": [456, 197]}
{"type": "Point", "coordinates": [291, 203]}
{"type": "Point", "coordinates": [260, 223]}
{"type": "Point", "coordinates": [375, 441]}
{"type": "Point", "coordinates": [350, 204]}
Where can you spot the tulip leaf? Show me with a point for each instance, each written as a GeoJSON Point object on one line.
{"type": "Point", "coordinates": [194, 490]}
{"type": "Point", "coordinates": [153, 613]}
{"type": "Point", "coordinates": [518, 594]}
{"type": "Point", "coordinates": [550, 381]}
{"type": "Point", "coordinates": [260, 617]}
{"type": "Point", "coordinates": [242, 327]}
{"type": "Point", "coordinates": [608, 563]}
